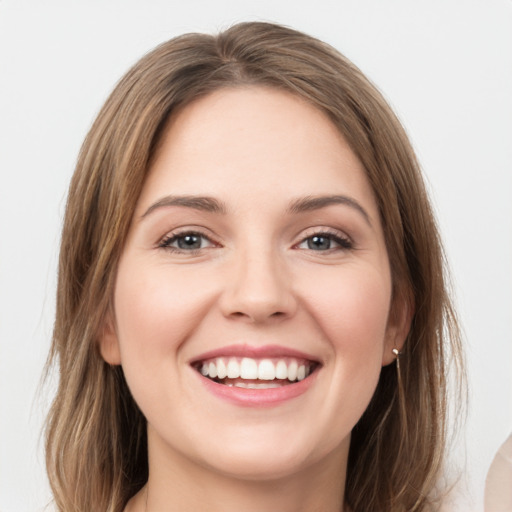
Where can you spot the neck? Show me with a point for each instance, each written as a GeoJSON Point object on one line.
{"type": "Point", "coordinates": [181, 485]}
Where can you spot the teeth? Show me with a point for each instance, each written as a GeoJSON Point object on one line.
{"type": "Point", "coordinates": [248, 369]}
{"type": "Point", "coordinates": [222, 371]}
{"type": "Point", "coordinates": [281, 370]}
{"type": "Point", "coordinates": [212, 370]}
{"type": "Point", "coordinates": [292, 370]}
{"type": "Point", "coordinates": [266, 370]}
{"type": "Point", "coordinates": [257, 385]}
{"type": "Point", "coordinates": [252, 369]}
{"type": "Point", "coordinates": [233, 369]}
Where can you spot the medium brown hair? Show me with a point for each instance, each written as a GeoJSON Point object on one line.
{"type": "Point", "coordinates": [96, 447]}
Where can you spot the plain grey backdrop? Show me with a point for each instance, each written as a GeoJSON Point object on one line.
{"type": "Point", "coordinates": [444, 65]}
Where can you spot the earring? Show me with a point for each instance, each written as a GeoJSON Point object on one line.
{"type": "Point", "coordinates": [397, 357]}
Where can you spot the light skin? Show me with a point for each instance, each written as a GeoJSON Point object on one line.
{"type": "Point", "coordinates": [284, 247]}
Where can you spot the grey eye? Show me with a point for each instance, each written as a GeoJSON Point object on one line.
{"type": "Point", "coordinates": [189, 242]}
{"type": "Point", "coordinates": [319, 243]}
{"type": "Point", "coordinates": [325, 242]}
{"type": "Point", "coordinates": [186, 242]}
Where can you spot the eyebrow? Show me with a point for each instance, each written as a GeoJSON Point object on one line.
{"type": "Point", "coordinates": [309, 203]}
{"type": "Point", "coordinates": [212, 205]}
{"type": "Point", "coordinates": [205, 204]}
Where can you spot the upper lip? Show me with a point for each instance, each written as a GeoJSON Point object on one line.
{"type": "Point", "coordinates": [255, 352]}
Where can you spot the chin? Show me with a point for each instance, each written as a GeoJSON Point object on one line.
{"type": "Point", "coordinates": [269, 459]}
{"type": "Point", "coordinates": [258, 468]}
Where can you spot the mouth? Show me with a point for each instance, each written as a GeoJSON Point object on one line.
{"type": "Point", "coordinates": [256, 373]}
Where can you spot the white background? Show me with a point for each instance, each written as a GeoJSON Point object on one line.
{"type": "Point", "coordinates": [445, 66]}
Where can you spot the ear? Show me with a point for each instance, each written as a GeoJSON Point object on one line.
{"type": "Point", "coordinates": [108, 342]}
{"type": "Point", "coordinates": [399, 325]}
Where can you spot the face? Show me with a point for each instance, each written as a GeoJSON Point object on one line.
{"type": "Point", "coordinates": [253, 294]}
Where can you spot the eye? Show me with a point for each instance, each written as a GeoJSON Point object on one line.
{"type": "Point", "coordinates": [325, 242]}
{"type": "Point", "coordinates": [189, 241]}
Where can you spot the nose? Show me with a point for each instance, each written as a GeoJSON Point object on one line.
{"type": "Point", "coordinates": [258, 289]}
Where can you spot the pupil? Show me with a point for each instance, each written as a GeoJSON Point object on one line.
{"type": "Point", "coordinates": [189, 242]}
{"type": "Point", "coordinates": [318, 243]}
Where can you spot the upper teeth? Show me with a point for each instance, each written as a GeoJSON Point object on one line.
{"type": "Point", "coordinates": [248, 368]}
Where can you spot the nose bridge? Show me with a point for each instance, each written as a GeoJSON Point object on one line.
{"type": "Point", "coordinates": [258, 287]}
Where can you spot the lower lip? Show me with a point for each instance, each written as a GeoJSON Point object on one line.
{"type": "Point", "coordinates": [258, 397]}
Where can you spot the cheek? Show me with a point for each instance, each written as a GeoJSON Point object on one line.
{"type": "Point", "coordinates": [350, 306]}
{"type": "Point", "coordinates": [352, 309]}
{"type": "Point", "coordinates": [157, 310]}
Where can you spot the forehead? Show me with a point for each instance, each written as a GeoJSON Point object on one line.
{"type": "Point", "coordinates": [254, 141]}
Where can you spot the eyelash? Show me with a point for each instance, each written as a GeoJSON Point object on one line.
{"type": "Point", "coordinates": [343, 243]}
{"type": "Point", "coordinates": [167, 241]}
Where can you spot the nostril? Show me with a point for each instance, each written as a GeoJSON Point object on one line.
{"type": "Point", "coordinates": [257, 317]}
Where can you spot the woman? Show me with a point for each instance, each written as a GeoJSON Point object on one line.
{"type": "Point", "coordinates": [252, 311]}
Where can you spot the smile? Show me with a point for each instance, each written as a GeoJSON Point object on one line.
{"type": "Point", "coordinates": [256, 376]}
{"type": "Point", "coordinates": [253, 373]}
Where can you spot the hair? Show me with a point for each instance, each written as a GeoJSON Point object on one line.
{"type": "Point", "coordinates": [96, 445]}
